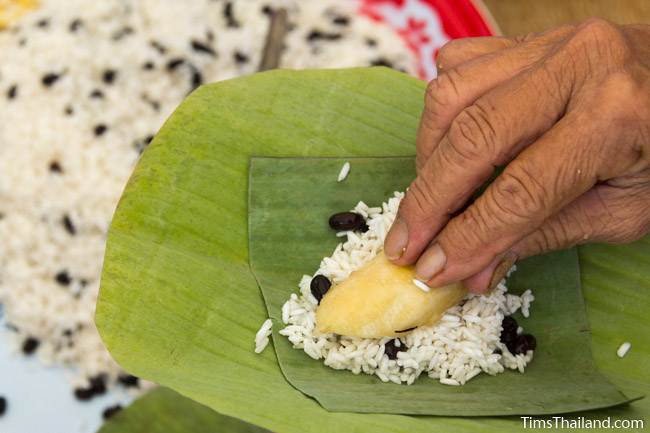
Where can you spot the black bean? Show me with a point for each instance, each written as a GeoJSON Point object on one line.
{"type": "Point", "coordinates": [128, 380]}
{"type": "Point", "coordinates": [175, 63]}
{"type": "Point", "coordinates": [30, 345]}
{"type": "Point", "coordinates": [67, 332]}
{"type": "Point", "coordinates": [197, 79]}
{"type": "Point", "coordinates": [346, 221]}
{"type": "Point", "coordinates": [75, 25]}
{"type": "Point", "coordinates": [406, 330]}
{"type": "Point", "coordinates": [55, 167]}
{"type": "Point", "coordinates": [3, 405]}
{"type": "Point", "coordinates": [319, 286]}
{"type": "Point", "coordinates": [147, 66]}
{"type": "Point", "coordinates": [508, 337]}
{"type": "Point", "coordinates": [50, 78]}
{"type": "Point", "coordinates": [229, 15]}
{"type": "Point", "coordinates": [341, 20]}
{"type": "Point", "coordinates": [83, 394]}
{"type": "Point", "coordinates": [316, 35]}
{"type": "Point", "coordinates": [371, 42]}
{"type": "Point", "coordinates": [98, 384]}
{"type": "Point", "coordinates": [68, 225]}
{"type": "Point", "coordinates": [201, 47]}
{"type": "Point", "coordinates": [43, 23]}
{"type": "Point", "coordinates": [497, 351]}
{"type": "Point", "coordinates": [69, 111]}
{"type": "Point", "coordinates": [381, 62]}
{"type": "Point", "coordinates": [96, 94]}
{"type": "Point", "coordinates": [12, 92]}
{"type": "Point", "coordinates": [158, 47]}
{"type": "Point", "coordinates": [100, 129]}
{"type": "Point", "coordinates": [240, 57]}
{"type": "Point", "coordinates": [141, 145]}
{"type": "Point", "coordinates": [63, 278]}
{"type": "Point", "coordinates": [111, 410]}
{"type": "Point", "coordinates": [109, 76]}
{"type": "Point", "coordinates": [524, 343]}
{"type": "Point", "coordinates": [125, 31]}
{"type": "Point", "coordinates": [267, 10]}
{"type": "Point", "coordinates": [391, 350]}
{"type": "Point", "coordinates": [509, 323]}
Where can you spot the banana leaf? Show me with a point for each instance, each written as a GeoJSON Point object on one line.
{"type": "Point", "coordinates": [164, 411]}
{"type": "Point", "coordinates": [178, 304]}
{"type": "Point", "coordinates": [289, 204]}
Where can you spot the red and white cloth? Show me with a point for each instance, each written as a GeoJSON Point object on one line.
{"type": "Point", "coordinates": [426, 25]}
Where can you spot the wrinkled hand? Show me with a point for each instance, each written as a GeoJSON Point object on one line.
{"type": "Point", "coordinates": [568, 111]}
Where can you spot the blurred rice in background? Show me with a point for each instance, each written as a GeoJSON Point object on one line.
{"type": "Point", "coordinates": [84, 86]}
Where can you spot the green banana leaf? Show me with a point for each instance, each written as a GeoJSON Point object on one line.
{"type": "Point", "coordinates": [163, 411]}
{"type": "Point", "coordinates": [178, 304]}
{"type": "Point", "coordinates": [290, 202]}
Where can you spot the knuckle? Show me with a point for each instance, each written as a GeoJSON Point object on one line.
{"type": "Point", "coordinates": [517, 197]}
{"type": "Point", "coordinates": [576, 227]}
{"type": "Point", "coordinates": [472, 135]}
{"type": "Point", "coordinates": [418, 201]}
{"type": "Point", "coordinates": [602, 41]}
{"type": "Point", "coordinates": [629, 219]}
{"type": "Point", "coordinates": [443, 91]}
{"type": "Point", "coordinates": [448, 51]}
{"type": "Point", "coordinates": [520, 39]}
{"type": "Point", "coordinates": [621, 91]}
{"type": "Point", "coordinates": [468, 232]}
{"type": "Point", "coordinates": [599, 30]}
{"type": "Point", "coordinates": [548, 238]}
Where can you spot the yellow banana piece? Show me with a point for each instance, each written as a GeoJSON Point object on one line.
{"type": "Point", "coordinates": [382, 299]}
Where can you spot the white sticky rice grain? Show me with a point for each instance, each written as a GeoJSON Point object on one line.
{"type": "Point", "coordinates": [446, 381]}
{"type": "Point", "coordinates": [345, 170]}
{"type": "Point", "coordinates": [421, 285]}
{"type": "Point", "coordinates": [623, 349]}
{"type": "Point", "coordinates": [262, 336]}
{"type": "Point", "coordinates": [463, 344]}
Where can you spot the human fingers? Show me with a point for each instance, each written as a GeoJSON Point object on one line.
{"type": "Point", "coordinates": [459, 86]}
{"type": "Point", "coordinates": [605, 213]}
{"type": "Point", "coordinates": [484, 135]}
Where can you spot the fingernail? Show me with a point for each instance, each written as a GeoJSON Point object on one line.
{"type": "Point", "coordinates": [430, 263]}
{"type": "Point", "coordinates": [396, 240]}
{"type": "Point", "coordinates": [501, 270]}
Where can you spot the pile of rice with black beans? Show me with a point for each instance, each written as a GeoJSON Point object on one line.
{"type": "Point", "coordinates": [477, 336]}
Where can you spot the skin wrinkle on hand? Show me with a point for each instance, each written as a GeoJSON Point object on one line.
{"type": "Point", "coordinates": [567, 113]}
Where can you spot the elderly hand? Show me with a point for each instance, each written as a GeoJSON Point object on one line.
{"type": "Point", "coordinates": [568, 112]}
